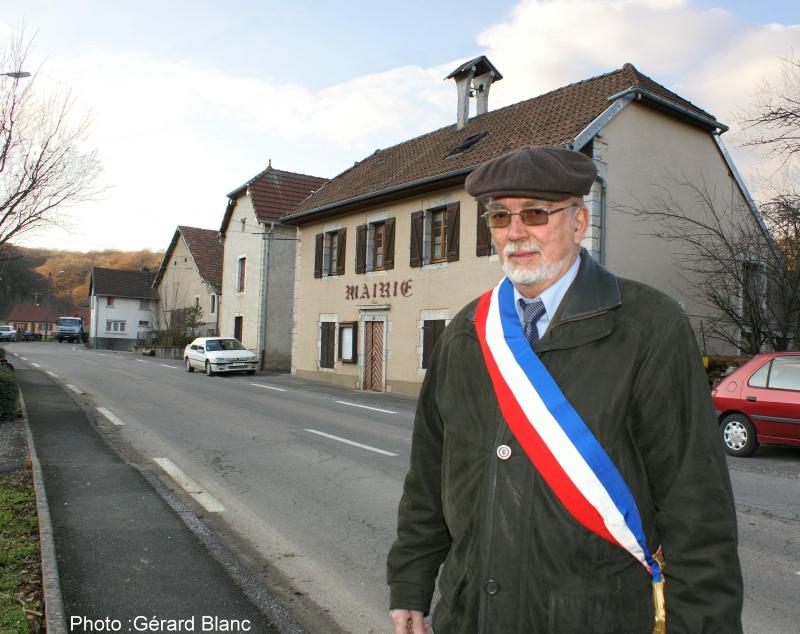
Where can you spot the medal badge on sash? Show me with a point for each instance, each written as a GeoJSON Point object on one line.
{"type": "Point", "coordinates": [556, 440]}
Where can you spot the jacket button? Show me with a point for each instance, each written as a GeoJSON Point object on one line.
{"type": "Point", "coordinates": [504, 452]}
{"type": "Point", "coordinates": [491, 587]}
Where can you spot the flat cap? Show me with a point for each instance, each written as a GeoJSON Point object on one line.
{"type": "Point", "coordinates": [546, 172]}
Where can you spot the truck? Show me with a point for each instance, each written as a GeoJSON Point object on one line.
{"type": "Point", "coordinates": [71, 329]}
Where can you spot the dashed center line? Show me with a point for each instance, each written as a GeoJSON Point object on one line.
{"type": "Point", "coordinates": [24, 358]}
{"type": "Point", "coordinates": [53, 374]}
{"type": "Point", "coordinates": [164, 365]}
{"type": "Point", "coordinates": [74, 389]}
{"type": "Point", "coordinates": [351, 442]}
{"type": "Point", "coordinates": [36, 365]}
{"type": "Point", "coordinates": [101, 354]}
{"type": "Point", "coordinates": [209, 503]}
{"type": "Point", "coordinates": [110, 416]}
{"type": "Point", "coordinates": [374, 409]}
{"type": "Point", "coordinates": [141, 361]}
{"type": "Point", "coordinates": [270, 387]}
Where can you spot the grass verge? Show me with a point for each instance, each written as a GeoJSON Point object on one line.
{"type": "Point", "coordinates": [21, 605]}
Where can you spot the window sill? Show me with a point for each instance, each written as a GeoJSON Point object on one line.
{"type": "Point", "coordinates": [435, 265]}
{"type": "Point", "coordinates": [378, 273]}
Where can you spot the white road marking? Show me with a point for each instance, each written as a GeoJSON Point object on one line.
{"type": "Point", "coordinates": [270, 387]}
{"type": "Point", "coordinates": [110, 416]}
{"type": "Point", "coordinates": [36, 365]}
{"type": "Point", "coordinates": [375, 409]}
{"type": "Point", "coordinates": [102, 354]}
{"type": "Point", "coordinates": [190, 486]}
{"type": "Point", "coordinates": [141, 361]}
{"type": "Point", "coordinates": [164, 365]}
{"type": "Point", "coordinates": [74, 389]}
{"type": "Point", "coordinates": [23, 358]}
{"type": "Point", "coordinates": [351, 442]}
{"type": "Point", "coordinates": [53, 374]}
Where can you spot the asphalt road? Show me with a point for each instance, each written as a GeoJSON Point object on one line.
{"type": "Point", "coordinates": [305, 479]}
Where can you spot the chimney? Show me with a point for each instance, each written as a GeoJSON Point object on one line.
{"type": "Point", "coordinates": [473, 78]}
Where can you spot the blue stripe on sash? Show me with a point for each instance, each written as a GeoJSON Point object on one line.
{"type": "Point", "coordinates": [570, 421]}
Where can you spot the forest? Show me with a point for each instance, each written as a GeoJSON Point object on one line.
{"type": "Point", "coordinates": [59, 278]}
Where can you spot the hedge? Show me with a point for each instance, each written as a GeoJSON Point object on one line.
{"type": "Point", "coordinates": [8, 392]}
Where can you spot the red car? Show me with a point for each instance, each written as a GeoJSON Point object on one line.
{"type": "Point", "coordinates": [760, 403]}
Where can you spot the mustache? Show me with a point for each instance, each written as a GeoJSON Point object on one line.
{"type": "Point", "coordinates": [527, 245]}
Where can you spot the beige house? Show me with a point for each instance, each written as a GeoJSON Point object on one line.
{"type": "Point", "coordinates": [189, 277]}
{"type": "Point", "coordinates": [394, 247]}
{"type": "Point", "coordinates": [258, 263]}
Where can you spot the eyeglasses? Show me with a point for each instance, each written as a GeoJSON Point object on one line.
{"type": "Point", "coordinates": [531, 216]}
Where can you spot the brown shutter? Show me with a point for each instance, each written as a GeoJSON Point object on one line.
{"type": "Point", "coordinates": [484, 237]}
{"type": "Point", "coordinates": [318, 256]}
{"type": "Point", "coordinates": [388, 244]}
{"type": "Point", "coordinates": [340, 251]}
{"type": "Point", "coordinates": [361, 249]}
{"type": "Point", "coordinates": [416, 239]}
{"type": "Point", "coordinates": [452, 231]}
{"type": "Point", "coordinates": [428, 339]}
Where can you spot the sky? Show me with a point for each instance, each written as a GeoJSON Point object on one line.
{"type": "Point", "coordinates": [188, 100]}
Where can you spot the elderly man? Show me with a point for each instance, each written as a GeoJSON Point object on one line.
{"type": "Point", "coordinates": [565, 468]}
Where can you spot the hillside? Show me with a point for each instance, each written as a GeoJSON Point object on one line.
{"type": "Point", "coordinates": [24, 274]}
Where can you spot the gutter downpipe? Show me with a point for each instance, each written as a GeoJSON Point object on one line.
{"type": "Point", "coordinates": [262, 304]}
{"type": "Point", "coordinates": [603, 214]}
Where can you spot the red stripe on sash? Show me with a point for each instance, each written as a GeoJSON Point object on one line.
{"type": "Point", "coordinates": [537, 450]}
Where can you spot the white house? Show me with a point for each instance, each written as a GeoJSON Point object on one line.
{"type": "Point", "coordinates": [124, 307]}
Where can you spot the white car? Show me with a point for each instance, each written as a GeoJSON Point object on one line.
{"type": "Point", "coordinates": [219, 354]}
{"type": "Point", "coordinates": [7, 333]}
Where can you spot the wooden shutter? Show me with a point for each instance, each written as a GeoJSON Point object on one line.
{"type": "Point", "coordinates": [416, 239]}
{"type": "Point", "coordinates": [388, 244]}
{"type": "Point", "coordinates": [431, 331]}
{"type": "Point", "coordinates": [452, 231]}
{"type": "Point", "coordinates": [327, 340]}
{"type": "Point", "coordinates": [318, 255]}
{"type": "Point", "coordinates": [484, 237]}
{"type": "Point", "coordinates": [361, 249]}
{"type": "Point", "coordinates": [340, 239]}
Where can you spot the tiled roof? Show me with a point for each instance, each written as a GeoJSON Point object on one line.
{"type": "Point", "coordinates": [117, 283]}
{"type": "Point", "coordinates": [33, 312]}
{"type": "Point", "coordinates": [274, 193]}
{"type": "Point", "coordinates": [554, 118]}
{"type": "Point", "coordinates": [206, 250]}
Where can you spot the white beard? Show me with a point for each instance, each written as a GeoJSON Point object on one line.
{"type": "Point", "coordinates": [530, 275]}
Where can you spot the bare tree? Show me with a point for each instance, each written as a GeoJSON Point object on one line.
{"type": "Point", "coordinates": [43, 166]}
{"type": "Point", "coordinates": [744, 269]}
{"type": "Point", "coordinates": [775, 118]}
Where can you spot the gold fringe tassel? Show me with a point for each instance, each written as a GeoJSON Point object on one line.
{"type": "Point", "coordinates": [659, 602]}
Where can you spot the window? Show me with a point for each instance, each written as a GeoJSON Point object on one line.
{"type": "Point", "coordinates": [144, 324]}
{"type": "Point", "coordinates": [241, 272]}
{"type": "Point", "coordinates": [213, 304]}
{"type": "Point", "coordinates": [435, 235]}
{"type": "Point", "coordinates": [347, 342]}
{"type": "Point", "coordinates": [327, 343]}
{"type": "Point", "coordinates": [243, 224]}
{"type": "Point", "coordinates": [238, 327]}
{"type": "Point", "coordinates": [113, 325]}
{"type": "Point", "coordinates": [375, 246]}
{"type": "Point", "coordinates": [109, 301]}
{"type": "Point", "coordinates": [329, 253]}
{"type": "Point", "coordinates": [431, 331]}
{"type": "Point", "coordinates": [784, 374]}
{"type": "Point", "coordinates": [196, 302]}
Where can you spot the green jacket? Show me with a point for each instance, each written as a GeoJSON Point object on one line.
{"type": "Point", "coordinates": [514, 559]}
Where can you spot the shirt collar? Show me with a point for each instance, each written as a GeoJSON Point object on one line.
{"type": "Point", "coordinates": [551, 296]}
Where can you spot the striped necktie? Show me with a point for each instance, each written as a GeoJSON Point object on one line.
{"type": "Point", "coordinates": [531, 313]}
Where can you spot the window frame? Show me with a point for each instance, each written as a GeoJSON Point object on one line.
{"type": "Point", "coordinates": [241, 274]}
{"type": "Point", "coordinates": [345, 355]}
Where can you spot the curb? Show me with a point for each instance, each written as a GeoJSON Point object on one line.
{"type": "Point", "coordinates": [55, 620]}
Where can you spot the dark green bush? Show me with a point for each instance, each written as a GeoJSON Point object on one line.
{"type": "Point", "coordinates": [8, 392]}
{"type": "Point", "coordinates": [719, 365]}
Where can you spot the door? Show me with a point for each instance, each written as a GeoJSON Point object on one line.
{"type": "Point", "coordinates": [373, 356]}
{"type": "Point", "coordinates": [772, 400]}
{"type": "Point", "coordinates": [237, 327]}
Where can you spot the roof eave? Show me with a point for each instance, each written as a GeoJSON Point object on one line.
{"type": "Point", "coordinates": [640, 93]}
{"type": "Point", "coordinates": [376, 197]}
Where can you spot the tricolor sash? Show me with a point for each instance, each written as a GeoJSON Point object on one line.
{"type": "Point", "coordinates": [555, 438]}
